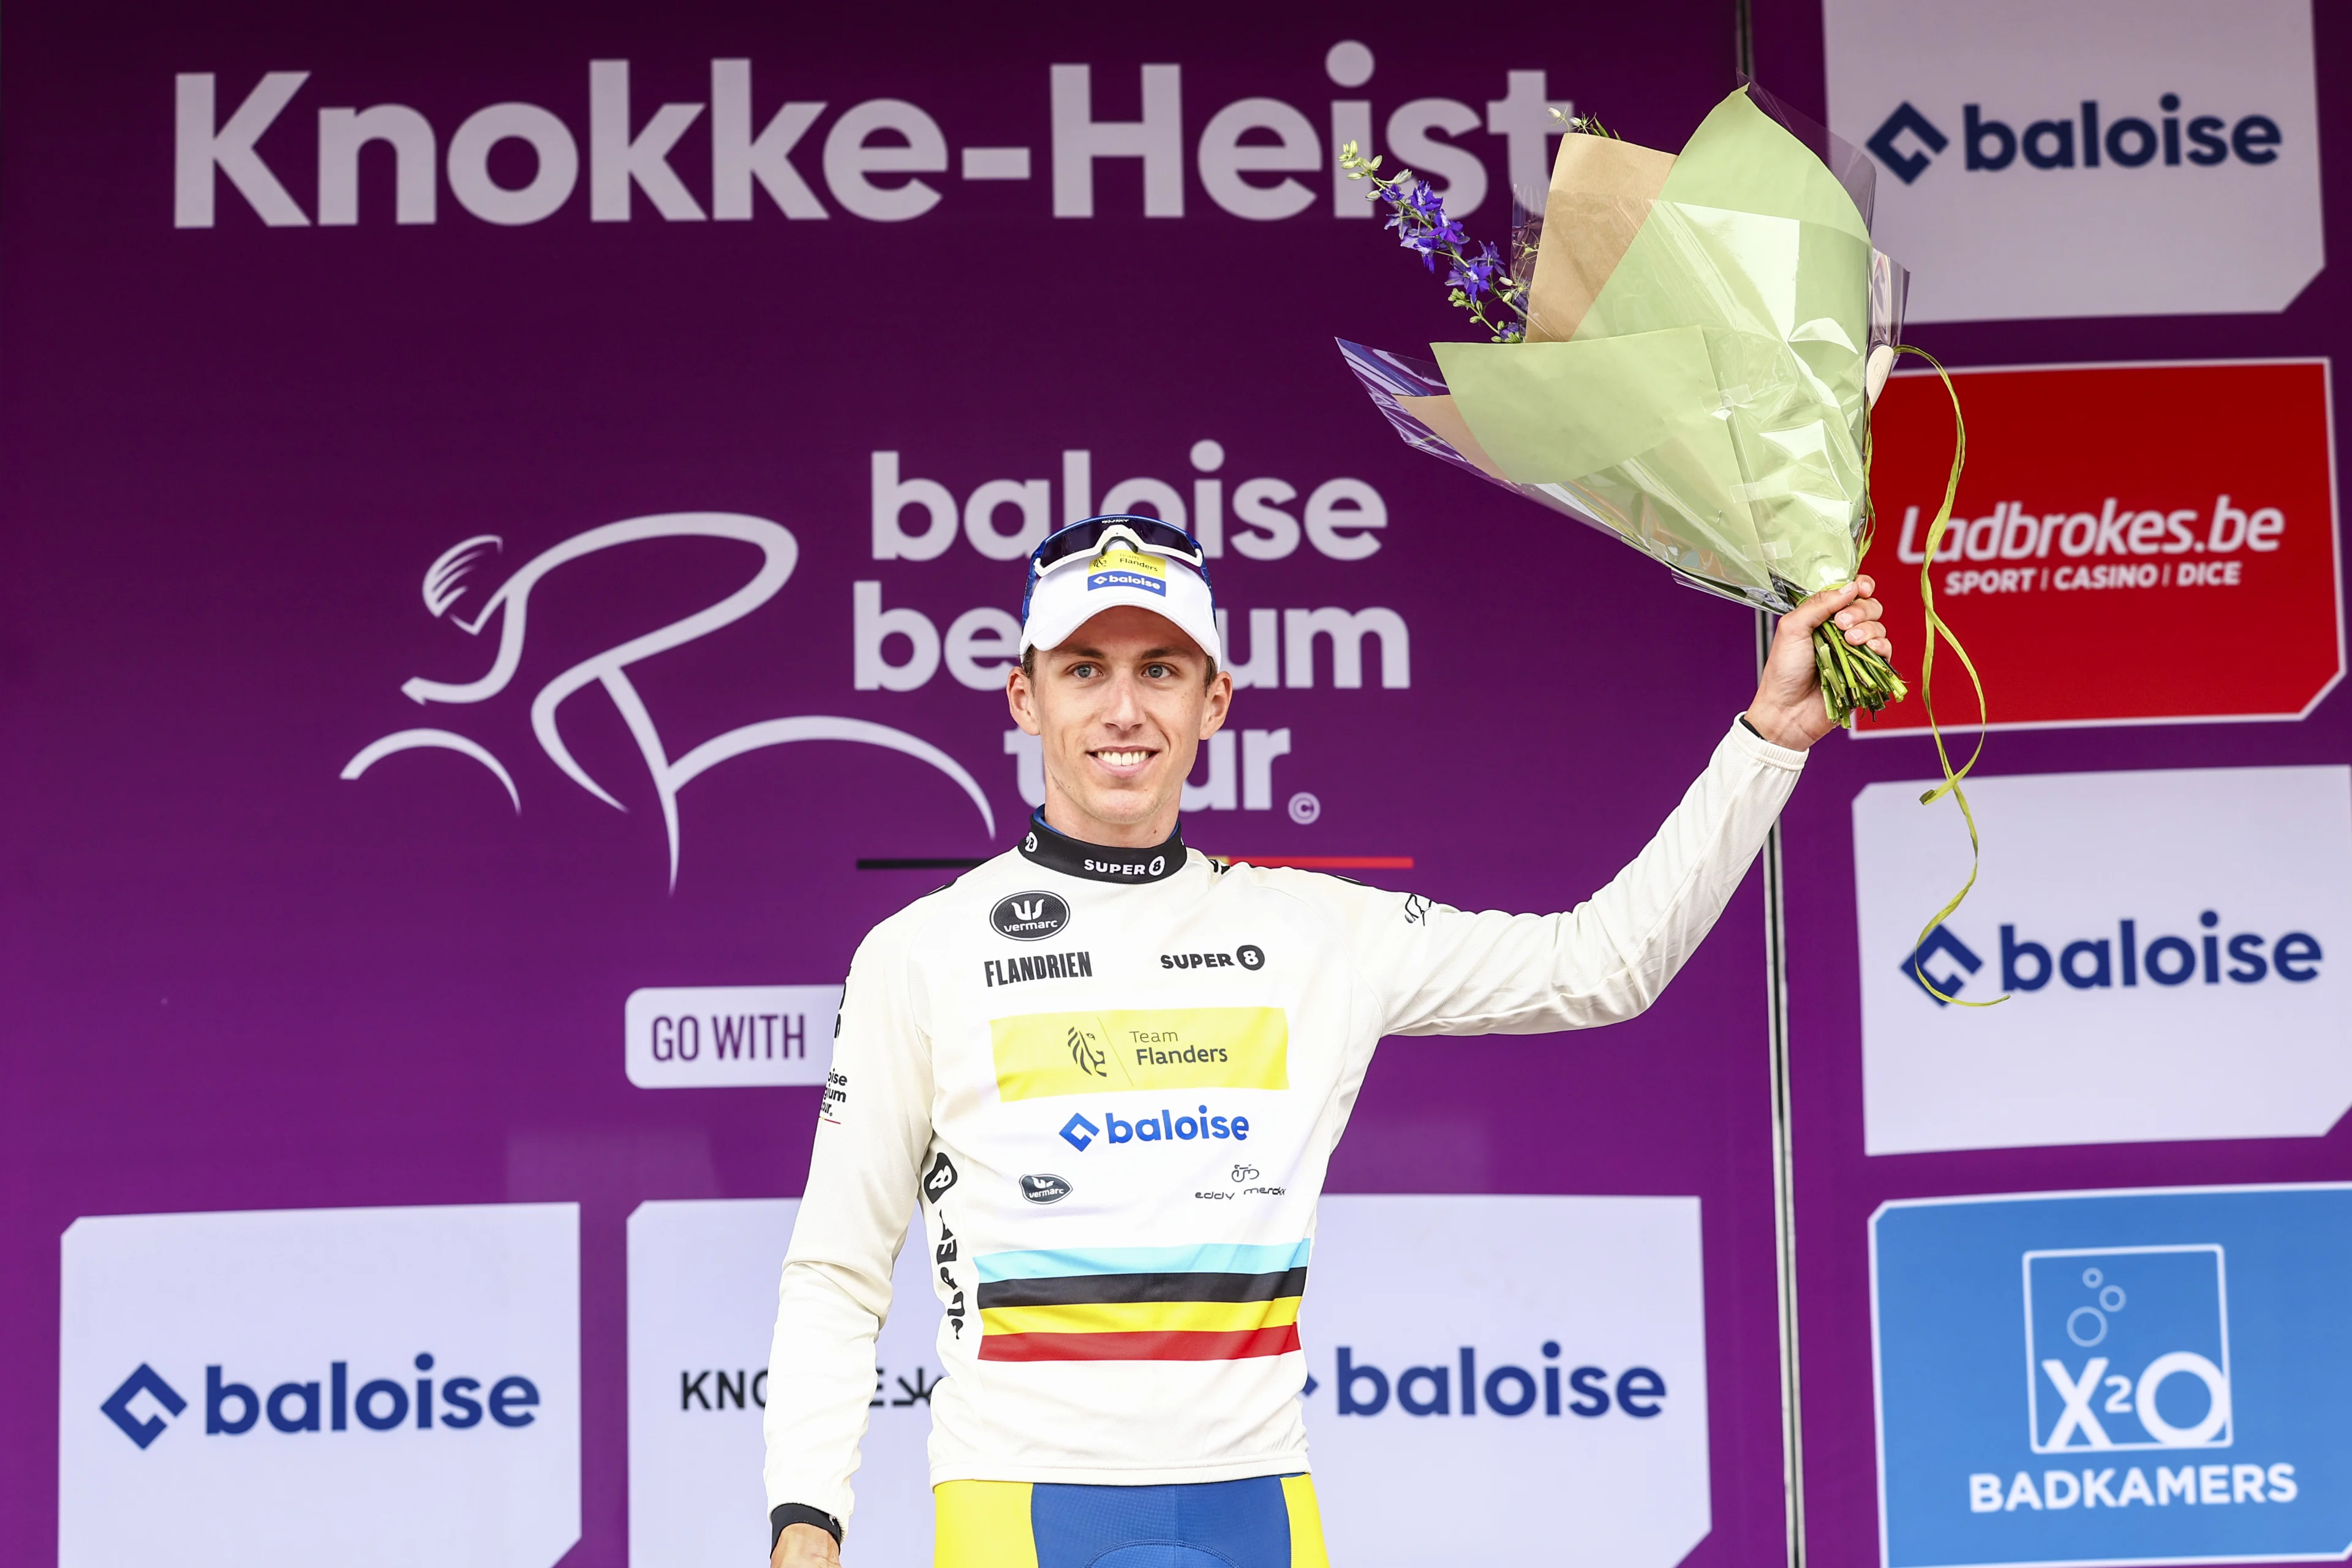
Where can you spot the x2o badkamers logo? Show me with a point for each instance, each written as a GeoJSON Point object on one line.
{"type": "Point", "coordinates": [2182, 1384]}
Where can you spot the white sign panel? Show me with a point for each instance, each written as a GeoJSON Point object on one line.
{"type": "Point", "coordinates": [2171, 943]}
{"type": "Point", "coordinates": [1528, 1360]}
{"type": "Point", "coordinates": [1580, 1323]}
{"type": "Point", "coordinates": [730, 1036]}
{"type": "Point", "coordinates": [2043, 158]}
{"type": "Point", "coordinates": [702, 1310]}
{"type": "Point", "coordinates": [366, 1387]}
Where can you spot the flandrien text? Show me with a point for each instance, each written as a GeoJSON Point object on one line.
{"type": "Point", "coordinates": [735, 151]}
{"type": "Point", "coordinates": [2118, 546]}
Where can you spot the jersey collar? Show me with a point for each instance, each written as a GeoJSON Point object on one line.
{"type": "Point", "coordinates": [1097, 863]}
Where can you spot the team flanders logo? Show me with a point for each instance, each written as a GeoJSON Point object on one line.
{"type": "Point", "coordinates": [1040, 1055]}
{"type": "Point", "coordinates": [1087, 1054]}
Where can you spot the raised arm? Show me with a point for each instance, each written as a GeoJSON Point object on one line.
{"type": "Point", "coordinates": [863, 1175]}
{"type": "Point", "coordinates": [1438, 970]}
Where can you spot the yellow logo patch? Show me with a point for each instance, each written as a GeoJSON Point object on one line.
{"type": "Point", "coordinates": [1040, 1055]}
{"type": "Point", "coordinates": [1129, 561]}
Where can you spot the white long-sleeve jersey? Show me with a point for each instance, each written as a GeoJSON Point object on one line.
{"type": "Point", "coordinates": [1113, 1079]}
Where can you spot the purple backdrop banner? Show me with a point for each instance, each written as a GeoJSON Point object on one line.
{"type": "Point", "coordinates": [298, 423]}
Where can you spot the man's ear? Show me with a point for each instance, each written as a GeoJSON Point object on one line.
{"type": "Point", "coordinates": [1220, 703]}
{"type": "Point", "coordinates": [1021, 696]}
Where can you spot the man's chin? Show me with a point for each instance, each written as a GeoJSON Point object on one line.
{"type": "Point", "coordinates": [1121, 805]}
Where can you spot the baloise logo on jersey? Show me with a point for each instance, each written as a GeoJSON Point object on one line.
{"type": "Point", "coordinates": [2169, 944]}
{"type": "Point", "coordinates": [2181, 1398]}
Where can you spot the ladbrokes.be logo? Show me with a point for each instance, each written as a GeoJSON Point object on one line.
{"type": "Point", "coordinates": [445, 584]}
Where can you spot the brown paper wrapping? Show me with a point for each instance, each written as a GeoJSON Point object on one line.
{"type": "Point", "coordinates": [1601, 189]}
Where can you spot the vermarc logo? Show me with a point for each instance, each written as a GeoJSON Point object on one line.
{"type": "Point", "coordinates": [1030, 917]}
{"type": "Point", "coordinates": [447, 583]}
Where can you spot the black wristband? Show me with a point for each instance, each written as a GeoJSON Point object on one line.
{"type": "Point", "coordinates": [1752, 729]}
{"type": "Point", "coordinates": [785, 1513]}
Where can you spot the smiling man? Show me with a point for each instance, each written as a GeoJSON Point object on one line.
{"type": "Point", "coordinates": [1061, 1057]}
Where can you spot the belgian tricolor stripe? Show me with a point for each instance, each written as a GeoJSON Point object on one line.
{"type": "Point", "coordinates": [1222, 1301]}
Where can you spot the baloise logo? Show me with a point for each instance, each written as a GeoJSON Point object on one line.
{"type": "Point", "coordinates": [330, 1405]}
{"type": "Point", "coordinates": [2079, 138]}
{"type": "Point", "coordinates": [1946, 961]}
{"type": "Point", "coordinates": [1030, 917]}
{"type": "Point", "coordinates": [1081, 1133]}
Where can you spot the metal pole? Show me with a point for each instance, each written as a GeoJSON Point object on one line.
{"type": "Point", "coordinates": [1784, 1197]}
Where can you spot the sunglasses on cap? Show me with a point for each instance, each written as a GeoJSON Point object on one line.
{"type": "Point", "coordinates": [1084, 540]}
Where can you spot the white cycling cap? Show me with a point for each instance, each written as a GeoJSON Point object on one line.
{"type": "Point", "coordinates": [1104, 563]}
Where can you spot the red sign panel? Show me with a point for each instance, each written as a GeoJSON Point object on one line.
{"type": "Point", "coordinates": [2131, 543]}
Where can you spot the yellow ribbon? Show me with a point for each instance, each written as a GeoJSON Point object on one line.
{"type": "Point", "coordinates": [1937, 628]}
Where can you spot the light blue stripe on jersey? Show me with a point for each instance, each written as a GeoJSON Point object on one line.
{"type": "Point", "coordinates": [1215, 1257]}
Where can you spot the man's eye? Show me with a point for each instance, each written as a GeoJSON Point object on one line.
{"type": "Point", "coordinates": [1158, 671]}
{"type": "Point", "coordinates": [1082, 672]}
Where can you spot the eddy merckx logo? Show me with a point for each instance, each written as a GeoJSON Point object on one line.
{"type": "Point", "coordinates": [144, 1405]}
{"type": "Point", "coordinates": [452, 578]}
{"type": "Point", "coordinates": [2085, 135]}
{"type": "Point", "coordinates": [2128, 956]}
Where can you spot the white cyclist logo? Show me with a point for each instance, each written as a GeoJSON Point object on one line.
{"type": "Point", "coordinates": [446, 584]}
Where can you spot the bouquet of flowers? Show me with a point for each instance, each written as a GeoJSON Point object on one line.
{"type": "Point", "coordinates": [1684, 353]}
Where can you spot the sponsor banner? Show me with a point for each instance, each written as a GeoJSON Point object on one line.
{"type": "Point", "coordinates": [728, 1036]}
{"type": "Point", "coordinates": [2114, 1377]}
{"type": "Point", "coordinates": [376, 1386]}
{"type": "Point", "coordinates": [2109, 517]}
{"type": "Point", "coordinates": [1538, 1363]}
{"type": "Point", "coordinates": [702, 1310]}
{"type": "Point", "coordinates": [2093, 158]}
{"type": "Point", "coordinates": [1544, 1358]}
{"type": "Point", "coordinates": [2169, 944]}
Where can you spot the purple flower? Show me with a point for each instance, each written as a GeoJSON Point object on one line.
{"type": "Point", "coordinates": [1475, 275]}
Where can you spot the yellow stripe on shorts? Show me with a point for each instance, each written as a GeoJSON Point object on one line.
{"type": "Point", "coordinates": [1306, 1523]}
{"type": "Point", "coordinates": [985, 1524]}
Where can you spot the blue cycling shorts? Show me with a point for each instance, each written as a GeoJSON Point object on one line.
{"type": "Point", "coordinates": [1265, 1521]}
